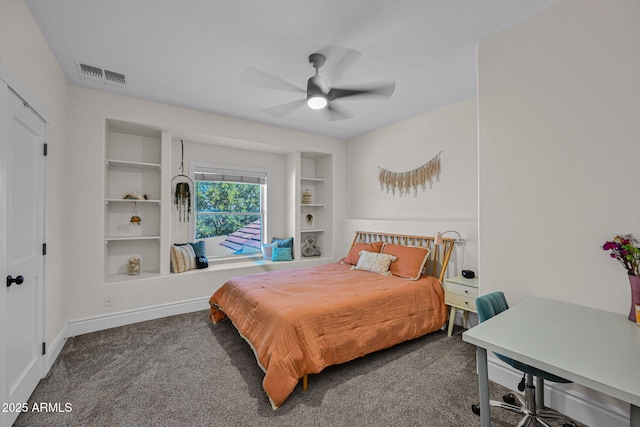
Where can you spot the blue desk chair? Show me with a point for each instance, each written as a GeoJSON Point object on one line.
{"type": "Point", "coordinates": [488, 306]}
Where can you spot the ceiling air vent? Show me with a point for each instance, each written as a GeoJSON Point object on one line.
{"type": "Point", "coordinates": [113, 77]}
{"type": "Point", "coordinates": [97, 74]}
{"type": "Point", "coordinates": [90, 72]}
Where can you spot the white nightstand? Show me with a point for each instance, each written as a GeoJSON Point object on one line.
{"type": "Point", "coordinates": [460, 293]}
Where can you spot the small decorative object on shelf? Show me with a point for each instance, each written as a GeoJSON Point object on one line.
{"type": "Point", "coordinates": [135, 218]}
{"type": "Point", "coordinates": [135, 196]}
{"type": "Point", "coordinates": [309, 220]}
{"type": "Point", "coordinates": [624, 249]}
{"type": "Point", "coordinates": [133, 269]}
{"type": "Point", "coordinates": [310, 249]}
{"type": "Point", "coordinates": [307, 197]}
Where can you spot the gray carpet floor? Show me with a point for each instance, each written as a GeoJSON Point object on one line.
{"type": "Point", "coordinates": [183, 371]}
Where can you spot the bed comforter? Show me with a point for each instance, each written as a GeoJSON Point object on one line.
{"type": "Point", "coordinates": [300, 321]}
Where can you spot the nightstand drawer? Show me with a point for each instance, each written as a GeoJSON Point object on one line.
{"type": "Point", "coordinates": [462, 290]}
{"type": "Point", "coordinates": [458, 300]}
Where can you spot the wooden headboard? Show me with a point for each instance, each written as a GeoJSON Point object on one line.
{"type": "Point", "coordinates": [439, 255]}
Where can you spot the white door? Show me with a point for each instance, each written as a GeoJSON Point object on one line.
{"type": "Point", "coordinates": [22, 184]}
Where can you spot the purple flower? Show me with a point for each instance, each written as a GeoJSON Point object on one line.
{"type": "Point", "coordinates": [624, 250]}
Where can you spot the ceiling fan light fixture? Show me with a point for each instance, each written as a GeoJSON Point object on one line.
{"type": "Point", "coordinates": [317, 102]}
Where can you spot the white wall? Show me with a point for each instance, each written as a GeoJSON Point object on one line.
{"type": "Point", "coordinates": [27, 53]}
{"type": "Point", "coordinates": [83, 198]}
{"type": "Point", "coordinates": [559, 102]}
{"type": "Point", "coordinates": [74, 288]}
{"type": "Point", "coordinates": [451, 203]}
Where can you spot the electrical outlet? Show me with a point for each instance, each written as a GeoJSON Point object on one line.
{"type": "Point", "coordinates": [108, 301]}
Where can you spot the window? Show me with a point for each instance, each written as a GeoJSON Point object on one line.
{"type": "Point", "coordinates": [229, 210]}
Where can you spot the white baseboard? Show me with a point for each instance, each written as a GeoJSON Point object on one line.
{"type": "Point", "coordinates": [580, 403]}
{"type": "Point", "coordinates": [112, 320]}
{"type": "Point", "coordinates": [54, 349]}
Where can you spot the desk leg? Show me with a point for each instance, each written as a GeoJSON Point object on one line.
{"type": "Point", "coordinates": [452, 318]}
{"type": "Point", "coordinates": [483, 385]}
{"type": "Point", "coordinates": [635, 416]}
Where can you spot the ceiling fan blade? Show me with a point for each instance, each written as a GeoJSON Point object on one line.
{"type": "Point", "coordinates": [284, 110]}
{"type": "Point", "coordinates": [381, 91]}
{"type": "Point", "coordinates": [334, 113]}
{"type": "Point", "coordinates": [253, 77]}
{"type": "Point", "coordinates": [344, 64]}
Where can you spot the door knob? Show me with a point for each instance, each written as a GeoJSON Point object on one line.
{"type": "Point", "coordinates": [18, 280]}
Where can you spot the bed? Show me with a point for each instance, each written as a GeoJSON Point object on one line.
{"type": "Point", "coordinates": [301, 320]}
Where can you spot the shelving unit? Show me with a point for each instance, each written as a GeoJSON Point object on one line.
{"type": "Point", "coordinates": [315, 177]}
{"type": "Point", "coordinates": [134, 156]}
{"type": "Point", "coordinates": [138, 158]}
{"type": "Point", "coordinates": [121, 239]}
{"type": "Point", "coordinates": [112, 162]}
{"type": "Point", "coordinates": [107, 201]}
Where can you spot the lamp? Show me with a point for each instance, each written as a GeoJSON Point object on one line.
{"type": "Point", "coordinates": [438, 239]}
{"type": "Point", "coordinates": [317, 101]}
{"type": "Point", "coordinates": [316, 90]}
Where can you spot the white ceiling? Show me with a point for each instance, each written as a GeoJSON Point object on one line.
{"type": "Point", "coordinates": [191, 53]}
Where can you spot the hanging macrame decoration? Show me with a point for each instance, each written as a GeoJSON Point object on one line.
{"type": "Point", "coordinates": [182, 199]}
{"type": "Point", "coordinates": [182, 192]}
{"type": "Point", "coordinates": [405, 181]}
{"type": "Point", "coordinates": [135, 218]}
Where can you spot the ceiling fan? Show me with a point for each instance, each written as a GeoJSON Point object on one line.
{"type": "Point", "coordinates": [320, 96]}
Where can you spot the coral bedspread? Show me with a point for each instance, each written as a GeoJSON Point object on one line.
{"type": "Point", "coordinates": [300, 321]}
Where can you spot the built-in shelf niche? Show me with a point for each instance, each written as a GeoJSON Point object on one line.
{"type": "Point", "coordinates": [315, 177]}
{"type": "Point", "coordinates": [134, 163]}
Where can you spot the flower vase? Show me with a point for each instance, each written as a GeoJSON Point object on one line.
{"type": "Point", "coordinates": [634, 282]}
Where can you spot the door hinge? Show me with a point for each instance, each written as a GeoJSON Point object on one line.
{"type": "Point", "coordinates": [44, 348]}
{"type": "Point", "coordinates": [46, 149]}
{"type": "Point", "coordinates": [44, 249]}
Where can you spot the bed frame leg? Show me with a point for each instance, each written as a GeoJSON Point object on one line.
{"type": "Point", "coordinates": [305, 382]}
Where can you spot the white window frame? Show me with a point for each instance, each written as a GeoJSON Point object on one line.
{"type": "Point", "coordinates": [247, 170]}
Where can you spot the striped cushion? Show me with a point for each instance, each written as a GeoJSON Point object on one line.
{"type": "Point", "coordinates": [374, 262]}
{"type": "Point", "coordinates": [183, 258]}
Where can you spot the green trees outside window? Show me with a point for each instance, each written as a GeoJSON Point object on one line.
{"type": "Point", "coordinates": [224, 207]}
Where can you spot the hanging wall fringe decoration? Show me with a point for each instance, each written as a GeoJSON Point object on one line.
{"type": "Point", "coordinates": [405, 181]}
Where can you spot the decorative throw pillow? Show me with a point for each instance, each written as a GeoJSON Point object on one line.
{"type": "Point", "coordinates": [281, 254]}
{"type": "Point", "coordinates": [374, 262]}
{"type": "Point", "coordinates": [201, 254]}
{"type": "Point", "coordinates": [411, 260]}
{"type": "Point", "coordinates": [354, 253]}
{"type": "Point", "coordinates": [267, 249]}
{"type": "Point", "coordinates": [284, 243]}
{"type": "Point", "coordinates": [183, 258]}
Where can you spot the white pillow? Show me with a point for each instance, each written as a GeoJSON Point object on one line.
{"type": "Point", "coordinates": [267, 250]}
{"type": "Point", "coordinates": [374, 262]}
{"type": "Point", "coordinates": [183, 258]}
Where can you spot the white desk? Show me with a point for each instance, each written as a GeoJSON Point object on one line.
{"type": "Point", "coordinates": [595, 348]}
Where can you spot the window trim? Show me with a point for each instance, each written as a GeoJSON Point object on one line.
{"type": "Point", "coordinates": [193, 166]}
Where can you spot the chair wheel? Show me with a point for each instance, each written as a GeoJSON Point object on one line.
{"type": "Point", "coordinates": [509, 398]}
{"type": "Point", "coordinates": [475, 409]}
